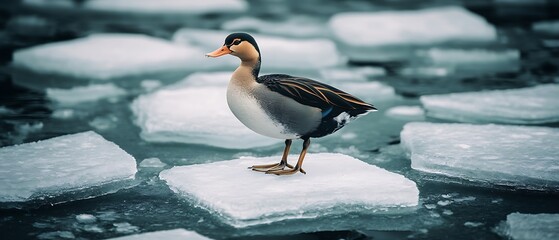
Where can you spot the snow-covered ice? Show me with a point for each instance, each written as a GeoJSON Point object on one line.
{"type": "Point", "coordinates": [334, 184]}
{"type": "Point", "coordinates": [533, 105]}
{"type": "Point", "coordinates": [106, 56]}
{"type": "Point", "coordinates": [83, 94]}
{"type": "Point", "coordinates": [295, 26]}
{"type": "Point", "coordinates": [521, 226]}
{"type": "Point", "coordinates": [174, 234]}
{"type": "Point", "coordinates": [391, 35]}
{"type": "Point", "coordinates": [64, 168]}
{"type": "Point", "coordinates": [277, 52]}
{"type": "Point", "coordinates": [175, 7]}
{"type": "Point", "coordinates": [177, 114]}
{"type": "Point", "coordinates": [487, 155]}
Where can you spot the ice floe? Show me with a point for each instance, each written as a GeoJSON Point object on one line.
{"type": "Point", "coordinates": [391, 35]}
{"type": "Point", "coordinates": [107, 56]}
{"type": "Point", "coordinates": [61, 169]}
{"type": "Point", "coordinates": [533, 105]}
{"type": "Point", "coordinates": [177, 113]}
{"type": "Point", "coordinates": [471, 60]}
{"type": "Point", "coordinates": [175, 7]}
{"type": "Point", "coordinates": [83, 94]}
{"type": "Point", "coordinates": [145, 7]}
{"type": "Point", "coordinates": [277, 53]}
{"type": "Point", "coordinates": [295, 26]}
{"type": "Point", "coordinates": [246, 198]}
{"type": "Point", "coordinates": [520, 226]}
{"type": "Point", "coordinates": [487, 155]}
{"type": "Point", "coordinates": [548, 27]}
{"type": "Point", "coordinates": [174, 234]}
{"type": "Point", "coordinates": [406, 113]}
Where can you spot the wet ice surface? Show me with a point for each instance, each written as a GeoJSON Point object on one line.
{"type": "Point", "coordinates": [105, 56]}
{"type": "Point", "coordinates": [90, 93]}
{"type": "Point", "coordinates": [245, 198]}
{"type": "Point", "coordinates": [301, 27]}
{"type": "Point", "coordinates": [168, 6]}
{"type": "Point", "coordinates": [530, 226]}
{"type": "Point", "coordinates": [174, 234]}
{"type": "Point", "coordinates": [188, 113]}
{"type": "Point", "coordinates": [487, 155]}
{"type": "Point", "coordinates": [396, 31]}
{"type": "Point", "coordinates": [63, 169]}
{"type": "Point", "coordinates": [534, 105]}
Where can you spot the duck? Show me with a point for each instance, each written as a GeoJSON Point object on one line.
{"type": "Point", "coordinates": [283, 106]}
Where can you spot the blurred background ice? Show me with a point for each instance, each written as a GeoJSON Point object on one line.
{"type": "Point", "coordinates": [135, 73]}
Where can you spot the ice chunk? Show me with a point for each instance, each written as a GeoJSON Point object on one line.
{"type": "Point", "coordinates": [167, 6]}
{"type": "Point", "coordinates": [488, 155]}
{"type": "Point", "coordinates": [371, 92]}
{"type": "Point", "coordinates": [541, 226]}
{"type": "Point", "coordinates": [106, 56]}
{"type": "Point", "coordinates": [406, 112]}
{"type": "Point", "coordinates": [175, 234]}
{"type": "Point", "coordinates": [152, 163]}
{"type": "Point", "coordinates": [532, 105]}
{"type": "Point", "coordinates": [245, 198]}
{"type": "Point", "coordinates": [391, 35]}
{"type": "Point", "coordinates": [65, 168]}
{"type": "Point", "coordinates": [89, 93]}
{"type": "Point", "coordinates": [294, 26]}
{"type": "Point", "coordinates": [178, 114]}
{"type": "Point", "coordinates": [277, 52]}
{"type": "Point", "coordinates": [548, 27]}
{"type": "Point", "coordinates": [472, 60]}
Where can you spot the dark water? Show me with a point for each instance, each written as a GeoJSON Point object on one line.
{"type": "Point", "coordinates": [472, 213]}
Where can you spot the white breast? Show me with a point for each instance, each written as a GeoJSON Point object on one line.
{"type": "Point", "coordinates": [247, 109]}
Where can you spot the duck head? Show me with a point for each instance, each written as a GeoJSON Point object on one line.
{"type": "Point", "coordinates": [241, 45]}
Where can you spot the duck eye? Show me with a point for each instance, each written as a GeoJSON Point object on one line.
{"type": "Point", "coordinates": [236, 42]}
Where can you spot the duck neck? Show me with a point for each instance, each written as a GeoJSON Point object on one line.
{"type": "Point", "coordinates": [248, 71]}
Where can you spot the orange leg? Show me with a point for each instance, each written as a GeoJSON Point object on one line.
{"type": "Point", "coordinates": [278, 166]}
{"type": "Point", "coordinates": [298, 167]}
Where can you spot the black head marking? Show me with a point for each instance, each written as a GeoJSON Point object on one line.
{"type": "Point", "coordinates": [232, 40]}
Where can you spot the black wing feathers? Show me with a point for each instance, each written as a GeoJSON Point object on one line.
{"type": "Point", "coordinates": [313, 93]}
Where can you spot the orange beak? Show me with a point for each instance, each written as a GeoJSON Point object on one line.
{"type": "Point", "coordinates": [219, 52]}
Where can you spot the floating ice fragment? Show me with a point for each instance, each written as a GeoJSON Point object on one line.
{"type": "Point", "coordinates": [152, 163]}
{"type": "Point", "coordinates": [177, 114]}
{"type": "Point", "coordinates": [472, 60]}
{"type": "Point", "coordinates": [541, 226]}
{"type": "Point", "coordinates": [294, 26]}
{"type": "Point", "coordinates": [473, 224]}
{"type": "Point", "coordinates": [277, 53]}
{"type": "Point", "coordinates": [61, 169]}
{"type": "Point", "coordinates": [89, 93]}
{"type": "Point", "coordinates": [125, 227]}
{"type": "Point", "coordinates": [86, 218]}
{"type": "Point", "coordinates": [175, 7]}
{"type": "Point", "coordinates": [175, 234]}
{"type": "Point", "coordinates": [56, 235]}
{"type": "Point", "coordinates": [245, 198]}
{"type": "Point", "coordinates": [533, 105]}
{"type": "Point", "coordinates": [406, 113]}
{"type": "Point", "coordinates": [107, 56]}
{"type": "Point", "coordinates": [527, 163]}
{"type": "Point", "coordinates": [392, 35]}
{"type": "Point", "coordinates": [549, 27]}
